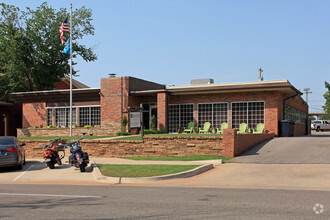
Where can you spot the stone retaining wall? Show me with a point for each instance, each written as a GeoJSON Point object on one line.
{"type": "Point", "coordinates": [39, 132]}
{"type": "Point", "coordinates": [151, 146]}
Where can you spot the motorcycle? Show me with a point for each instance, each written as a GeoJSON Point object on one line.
{"type": "Point", "coordinates": [51, 153]}
{"type": "Point", "coordinates": [78, 158]}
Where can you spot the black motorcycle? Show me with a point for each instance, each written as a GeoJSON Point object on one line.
{"type": "Point", "coordinates": [78, 158]}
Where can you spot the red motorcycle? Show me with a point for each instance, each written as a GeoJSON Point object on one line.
{"type": "Point", "coordinates": [51, 153]}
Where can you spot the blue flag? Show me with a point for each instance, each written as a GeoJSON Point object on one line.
{"type": "Point", "coordinates": [67, 47]}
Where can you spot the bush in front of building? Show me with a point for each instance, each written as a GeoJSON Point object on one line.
{"type": "Point", "coordinates": [123, 133]}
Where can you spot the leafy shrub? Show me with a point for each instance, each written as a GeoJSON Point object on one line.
{"type": "Point", "coordinates": [87, 126]}
{"type": "Point", "coordinates": [153, 123]}
{"type": "Point", "coordinates": [123, 123]}
{"type": "Point", "coordinates": [123, 133]}
{"type": "Point", "coordinates": [147, 131]}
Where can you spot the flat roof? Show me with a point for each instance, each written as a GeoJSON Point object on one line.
{"type": "Point", "coordinates": [283, 86]}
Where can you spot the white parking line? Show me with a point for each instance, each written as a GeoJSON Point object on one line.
{"type": "Point", "coordinates": [19, 176]}
{"type": "Point", "coordinates": [48, 195]}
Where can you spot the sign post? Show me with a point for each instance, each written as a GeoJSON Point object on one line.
{"type": "Point", "coordinates": [136, 118]}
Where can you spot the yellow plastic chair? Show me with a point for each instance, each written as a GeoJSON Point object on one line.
{"type": "Point", "coordinates": [224, 125]}
{"type": "Point", "coordinates": [206, 128]}
{"type": "Point", "coordinates": [190, 128]}
{"type": "Point", "coordinates": [242, 128]}
{"type": "Point", "coordinates": [260, 129]}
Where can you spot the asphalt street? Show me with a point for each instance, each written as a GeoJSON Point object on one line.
{"type": "Point", "coordinates": [120, 202]}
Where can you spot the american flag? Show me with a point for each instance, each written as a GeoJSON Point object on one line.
{"type": "Point", "coordinates": [64, 28]}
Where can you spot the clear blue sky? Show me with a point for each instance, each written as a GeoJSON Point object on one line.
{"type": "Point", "coordinates": [173, 41]}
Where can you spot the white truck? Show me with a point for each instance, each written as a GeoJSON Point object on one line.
{"type": "Point", "coordinates": [320, 125]}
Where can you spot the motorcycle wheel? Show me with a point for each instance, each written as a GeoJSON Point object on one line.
{"type": "Point", "coordinates": [82, 168]}
{"type": "Point", "coordinates": [50, 165]}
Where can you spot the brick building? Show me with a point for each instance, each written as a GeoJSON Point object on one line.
{"type": "Point", "coordinates": [265, 102]}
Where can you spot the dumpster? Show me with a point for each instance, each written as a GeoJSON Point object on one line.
{"type": "Point", "coordinates": [286, 128]}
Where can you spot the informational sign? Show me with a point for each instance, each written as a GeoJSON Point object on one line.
{"type": "Point", "coordinates": [135, 119]}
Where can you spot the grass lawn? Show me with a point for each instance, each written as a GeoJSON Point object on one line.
{"type": "Point", "coordinates": [184, 158]}
{"type": "Point", "coordinates": [142, 170]}
{"type": "Point", "coordinates": [73, 138]}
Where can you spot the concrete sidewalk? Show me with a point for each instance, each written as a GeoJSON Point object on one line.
{"type": "Point", "coordinates": [259, 176]}
{"type": "Point", "coordinates": [204, 166]}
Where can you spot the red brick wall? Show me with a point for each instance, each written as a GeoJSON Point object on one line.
{"type": "Point", "coordinates": [300, 104]}
{"type": "Point", "coordinates": [162, 111]}
{"type": "Point", "coordinates": [272, 101]}
{"type": "Point", "coordinates": [34, 114]}
{"type": "Point", "coordinates": [114, 100]}
{"type": "Point", "coordinates": [235, 144]}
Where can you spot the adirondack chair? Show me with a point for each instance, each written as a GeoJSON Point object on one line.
{"type": "Point", "coordinates": [224, 125]}
{"type": "Point", "coordinates": [206, 128]}
{"type": "Point", "coordinates": [190, 128]}
{"type": "Point", "coordinates": [242, 128]}
{"type": "Point", "coordinates": [260, 129]}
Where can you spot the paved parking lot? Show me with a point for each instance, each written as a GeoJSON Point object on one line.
{"type": "Point", "coordinates": [312, 149]}
{"type": "Point", "coordinates": [36, 171]}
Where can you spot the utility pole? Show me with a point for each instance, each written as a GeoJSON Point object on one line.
{"type": "Point", "coordinates": [306, 91]}
{"type": "Point", "coordinates": [260, 77]}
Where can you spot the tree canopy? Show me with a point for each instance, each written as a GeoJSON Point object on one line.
{"type": "Point", "coordinates": [31, 57]}
{"type": "Point", "coordinates": [326, 95]}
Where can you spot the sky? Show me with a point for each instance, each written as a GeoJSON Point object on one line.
{"type": "Point", "coordinates": [174, 41]}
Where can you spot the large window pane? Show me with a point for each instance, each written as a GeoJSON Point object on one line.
{"type": "Point", "coordinates": [49, 117]}
{"type": "Point", "coordinates": [84, 116]}
{"type": "Point", "coordinates": [179, 116]}
{"type": "Point", "coordinates": [215, 113]}
{"type": "Point", "coordinates": [250, 113]}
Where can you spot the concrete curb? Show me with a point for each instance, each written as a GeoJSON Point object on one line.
{"type": "Point", "coordinates": [99, 177]}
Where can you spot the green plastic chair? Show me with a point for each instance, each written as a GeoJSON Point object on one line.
{"type": "Point", "coordinates": [224, 125]}
{"type": "Point", "coordinates": [206, 128]}
{"type": "Point", "coordinates": [260, 129]}
{"type": "Point", "coordinates": [190, 128]}
{"type": "Point", "coordinates": [242, 128]}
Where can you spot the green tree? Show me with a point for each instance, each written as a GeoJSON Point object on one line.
{"type": "Point", "coordinates": [31, 55]}
{"type": "Point", "coordinates": [326, 95]}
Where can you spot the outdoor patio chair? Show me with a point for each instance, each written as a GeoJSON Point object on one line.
{"type": "Point", "coordinates": [190, 128]}
{"type": "Point", "coordinates": [224, 125]}
{"type": "Point", "coordinates": [260, 129]}
{"type": "Point", "coordinates": [206, 128]}
{"type": "Point", "coordinates": [242, 128]}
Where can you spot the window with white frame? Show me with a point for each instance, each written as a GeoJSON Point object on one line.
{"type": "Point", "coordinates": [179, 116]}
{"type": "Point", "coordinates": [49, 117]}
{"type": "Point", "coordinates": [62, 117]}
{"type": "Point", "coordinates": [215, 113]}
{"type": "Point", "coordinates": [89, 116]}
{"type": "Point", "coordinates": [251, 113]}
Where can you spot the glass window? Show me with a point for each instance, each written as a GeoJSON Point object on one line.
{"type": "Point", "coordinates": [215, 113]}
{"type": "Point", "coordinates": [49, 116]}
{"type": "Point", "coordinates": [89, 116]}
{"type": "Point", "coordinates": [62, 116]}
{"type": "Point", "coordinates": [179, 116]}
{"type": "Point", "coordinates": [250, 113]}
{"type": "Point", "coordinates": [294, 114]}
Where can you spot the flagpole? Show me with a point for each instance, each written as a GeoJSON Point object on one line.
{"type": "Point", "coordinates": [71, 70]}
